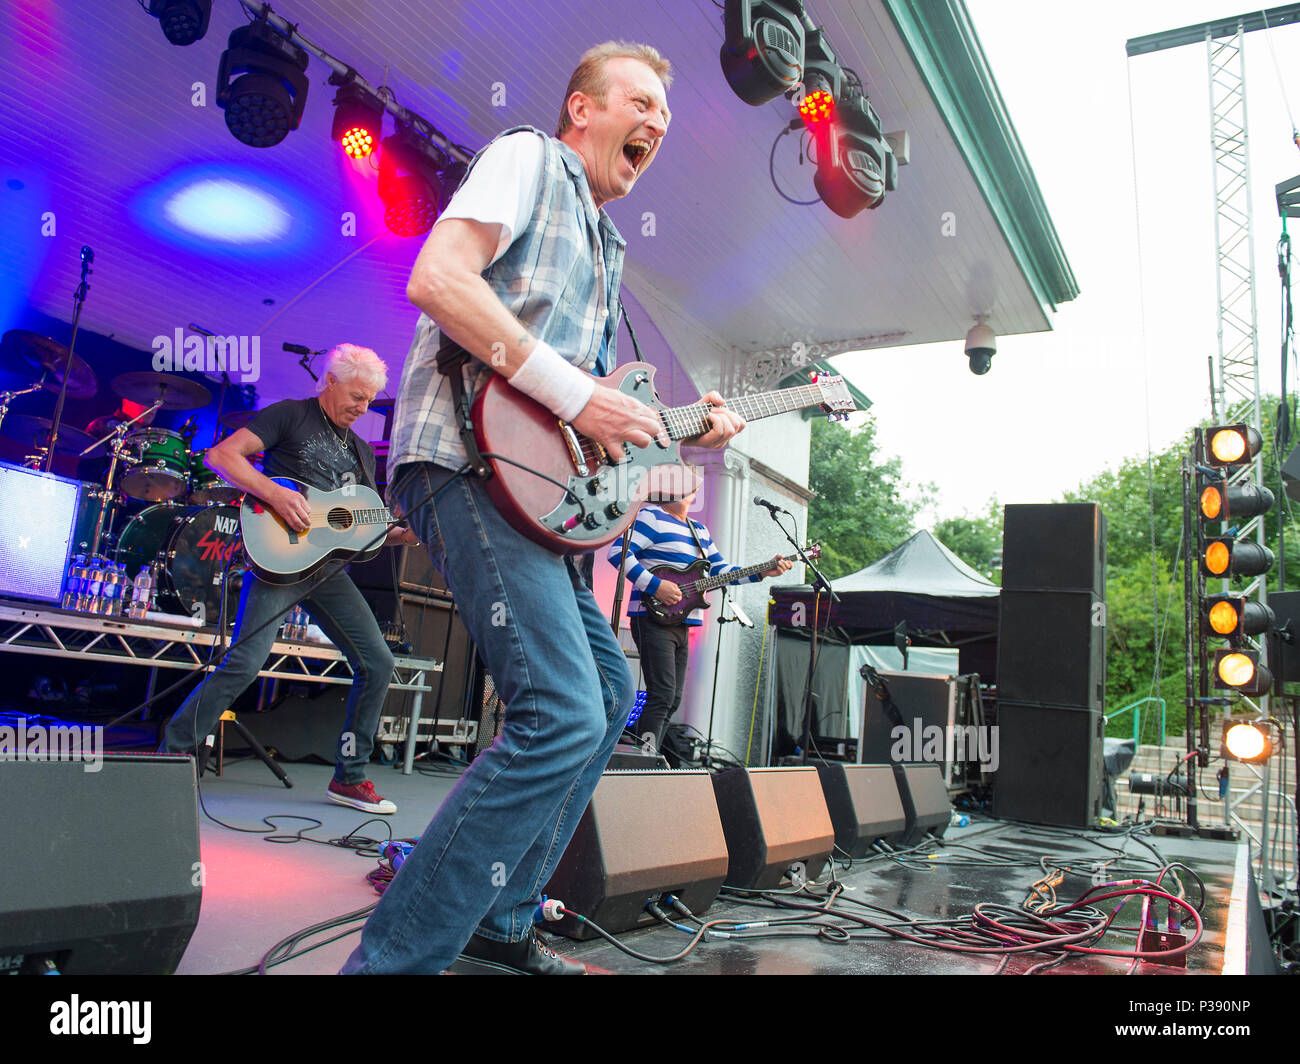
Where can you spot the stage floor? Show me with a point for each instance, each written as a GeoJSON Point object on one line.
{"type": "Point", "coordinates": [258, 892]}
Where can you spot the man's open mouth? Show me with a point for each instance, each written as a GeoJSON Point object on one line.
{"type": "Point", "coordinates": [635, 152]}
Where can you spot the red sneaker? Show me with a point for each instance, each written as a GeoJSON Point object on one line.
{"type": "Point", "coordinates": [359, 796]}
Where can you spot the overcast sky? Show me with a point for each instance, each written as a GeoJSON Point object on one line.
{"type": "Point", "coordinates": [1121, 151]}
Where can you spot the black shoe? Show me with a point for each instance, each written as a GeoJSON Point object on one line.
{"type": "Point", "coordinates": [486, 956]}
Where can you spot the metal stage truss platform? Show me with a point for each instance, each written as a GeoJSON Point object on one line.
{"type": "Point", "coordinates": [46, 631]}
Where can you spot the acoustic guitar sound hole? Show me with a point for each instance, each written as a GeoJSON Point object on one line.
{"type": "Point", "coordinates": [340, 519]}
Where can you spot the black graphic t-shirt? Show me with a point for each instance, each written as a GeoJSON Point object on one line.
{"type": "Point", "coordinates": [303, 444]}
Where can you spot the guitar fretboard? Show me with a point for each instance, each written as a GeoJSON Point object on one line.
{"type": "Point", "coordinates": [708, 583]}
{"type": "Point", "coordinates": [683, 422]}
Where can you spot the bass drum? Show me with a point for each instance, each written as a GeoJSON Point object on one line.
{"type": "Point", "coordinates": [191, 545]}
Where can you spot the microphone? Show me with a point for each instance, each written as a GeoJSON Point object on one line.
{"type": "Point", "coordinates": [772, 508]}
{"type": "Point", "coordinates": [87, 255]}
{"type": "Point", "coordinates": [307, 355]}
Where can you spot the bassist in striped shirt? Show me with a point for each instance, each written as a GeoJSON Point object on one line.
{"type": "Point", "coordinates": [664, 535]}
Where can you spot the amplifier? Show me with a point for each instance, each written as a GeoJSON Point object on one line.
{"type": "Point", "coordinates": [37, 513]}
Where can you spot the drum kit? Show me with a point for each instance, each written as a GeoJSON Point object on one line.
{"type": "Point", "coordinates": [188, 530]}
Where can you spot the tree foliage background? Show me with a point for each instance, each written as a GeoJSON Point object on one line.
{"type": "Point", "coordinates": [863, 511]}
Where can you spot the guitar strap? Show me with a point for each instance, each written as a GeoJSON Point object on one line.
{"type": "Point", "coordinates": [451, 362]}
{"type": "Point", "coordinates": [695, 536]}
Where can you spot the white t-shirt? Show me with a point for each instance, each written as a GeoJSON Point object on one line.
{"type": "Point", "coordinates": [502, 188]}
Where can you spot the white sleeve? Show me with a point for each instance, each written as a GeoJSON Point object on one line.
{"type": "Point", "coordinates": [502, 188]}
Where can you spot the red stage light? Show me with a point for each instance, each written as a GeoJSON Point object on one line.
{"type": "Point", "coordinates": [358, 142]}
{"type": "Point", "coordinates": [817, 108]}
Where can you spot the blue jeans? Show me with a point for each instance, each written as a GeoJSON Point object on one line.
{"type": "Point", "coordinates": [337, 606]}
{"type": "Point", "coordinates": [482, 862]}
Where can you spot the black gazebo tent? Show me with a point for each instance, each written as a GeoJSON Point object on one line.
{"type": "Point", "coordinates": [940, 599]}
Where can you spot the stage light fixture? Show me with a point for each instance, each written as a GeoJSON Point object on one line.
{"type": "Point", "coordinates": [183, 21]}
{"type": "Point", "coordinates": [1226, 556]}
{"type": "Point", "coordinates": [415, 182]}
{"type": "Point", "coordinates": [823, 84]}
{"type": "Point", "coordinates": [267, 98]}
{"type": "Point", "coordinates": [1246, 740]}
{"type": "Point", "coordinates": [763, 48]}
{"type": "Point", "coordinates": [1229, 446]}
{"type": "Point", "coordinates": [1234, 616]}
{"type": "Point", "coordinates": [1240, 670]}
{"type": "Point", "coordinates": [817, 108]}
{"type": "Point", "coordinates": [1238, 502]}
{"type": "Point", "coordinates": [358, 121]}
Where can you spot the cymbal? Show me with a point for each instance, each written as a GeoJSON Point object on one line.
{"type": "Point", "coordinates": [238, 419]}
{"type": "Point", "coordinates": [176, 393]}
{"type": "Point", "coordinates": [34, 432]}
{"type": "Point", "coordinates": [39, 354]}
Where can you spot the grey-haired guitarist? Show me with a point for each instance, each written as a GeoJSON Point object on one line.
{"type": "Point", "coordinates": [310, 441]}
{"type": "Point", "coordinates": [664, 535]}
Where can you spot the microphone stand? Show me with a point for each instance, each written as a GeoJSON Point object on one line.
{"type": "Point", "coordinates": [717, 662]}
{"type": "Point", "coordinates": [106, 495]}
{"type": "Point", "coordinates": [820, 584]}
{"type": "Point", "coordinates": [78, 300]}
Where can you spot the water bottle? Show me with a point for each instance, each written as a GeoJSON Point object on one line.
{"type": "Point", "coordinates": [141, 593]}
{"type": "Point", "coordinates": [959, 820]}
{"type": "Point", "coordinates": [73, 583]}
{"type": "Point", "coordinates": [113, 590]}
{"type": "Point", "coordinates": [95, 587]}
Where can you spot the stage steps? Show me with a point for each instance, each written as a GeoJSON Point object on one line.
{"type": "Point", "coordinates": [1161, 759]}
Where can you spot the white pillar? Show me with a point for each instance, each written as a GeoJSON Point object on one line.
{"type": "Point", "coordinates": [725, 495]}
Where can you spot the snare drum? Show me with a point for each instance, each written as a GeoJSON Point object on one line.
{"type": "Point", "coordinates": [161, 466]}
{"type": "Point", "coordinates": [192, 545]}
{"type": "Point", "coordinates": [207, 487]}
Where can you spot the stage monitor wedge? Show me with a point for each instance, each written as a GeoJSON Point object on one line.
{"type": "Point", "coordinates": [925, 801]}
{"type": "Point", "coordinates": [643, 835]}
{"type": "Point", "coordinates": [864, 804]}
{"type": "Point", "coordinates": [774, 819]}
{"type": "Point", "coordinates": [99, 869]}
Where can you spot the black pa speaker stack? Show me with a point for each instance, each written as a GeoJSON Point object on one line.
{"type": "Point", "coordinates": [1052, 664]}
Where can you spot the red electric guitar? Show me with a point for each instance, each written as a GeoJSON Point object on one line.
{"type": "Point", "coordinates": [588, 499]}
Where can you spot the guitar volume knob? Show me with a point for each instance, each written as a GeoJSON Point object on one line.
{"type": "Point", "coordinates": [613, 510]}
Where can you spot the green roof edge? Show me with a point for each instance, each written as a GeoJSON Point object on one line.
{"type": "Point", "coordinates": [947, 52]}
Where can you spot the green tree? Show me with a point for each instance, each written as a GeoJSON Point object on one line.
{"type": "Point", "coordinates": [976, 540]}
{"type": "Point", "coordinates": [859, 512]}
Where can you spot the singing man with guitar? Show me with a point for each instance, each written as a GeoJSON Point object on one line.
{"type": "Point", "coordinates": [309, 448]}
{"type": "Point", "coordinates": [522, 271]}
{"type": "Point", "coordinates": [665, 545]}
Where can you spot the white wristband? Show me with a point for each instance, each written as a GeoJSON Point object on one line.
{"type": "Point", "coordinates": [558, 385]}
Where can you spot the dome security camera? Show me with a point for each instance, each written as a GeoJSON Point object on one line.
{"type": "Point", "coordinates": [981, 346]}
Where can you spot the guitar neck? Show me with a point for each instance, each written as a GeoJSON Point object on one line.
{"type": "Point", "coordinates": [683, 422]}
{"type": "Point", "coordinates": [372, 515]}
{"type": "Point", "coordinates": [708, 583]}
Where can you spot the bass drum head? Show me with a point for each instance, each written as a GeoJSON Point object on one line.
{"type": "Point", "coordinates": [192, 545]}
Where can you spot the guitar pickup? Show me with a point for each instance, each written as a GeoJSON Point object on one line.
{"type": "Point", "coordinates": [575, 448]}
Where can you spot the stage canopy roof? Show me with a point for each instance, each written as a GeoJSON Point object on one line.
{"type": "Point", "coordinates": [123, 140]}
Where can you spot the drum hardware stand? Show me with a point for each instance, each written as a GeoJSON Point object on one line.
{"type": "Point", "coordinates": [107, 495]}
{"type": "Point", "coordinates": [8, 397]}
{"type": "Point", "coordinates": [228, 717]}
{"type": "Point", "coordinates": [78, 299]}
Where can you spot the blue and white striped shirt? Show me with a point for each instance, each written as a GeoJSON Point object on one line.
{"type": "Point", "coordinates": [659, 538]}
